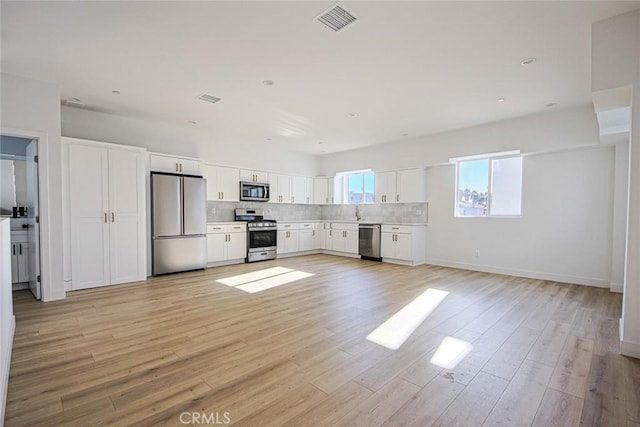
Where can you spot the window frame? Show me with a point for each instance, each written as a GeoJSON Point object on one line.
{"type": "Point", "coordinates": [490, 158]}
{"type": "Point", "coordinates": [345, 186]}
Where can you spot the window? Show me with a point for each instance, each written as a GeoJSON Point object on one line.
{"type": "Point", "coordinates": [489, 187]}
{"type": "Point", "coordinates": [359, 187]}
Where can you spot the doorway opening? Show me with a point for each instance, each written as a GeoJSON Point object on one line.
{"type": "Point", "coordinates": [19, 196]}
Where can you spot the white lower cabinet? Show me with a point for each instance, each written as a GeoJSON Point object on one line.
{"type": "Point", "coordinates": [19, 260]}
{"type": "Point", "coordinates": [308, 237]}
{"type": "Point", "coordinates": [226, 242]}
{"type": "Point", "coordinates": [403, 243]}
{"type": "Point", "coordinates": [344, 237]}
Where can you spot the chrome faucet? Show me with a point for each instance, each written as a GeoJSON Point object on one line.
{"type": "Point", "coordinates": [358, 217]}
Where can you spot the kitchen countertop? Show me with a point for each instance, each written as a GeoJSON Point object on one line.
{"type": "Point", "coordinates": [301, 221]}
{"type": "Point", "coordinates": [226, 222]}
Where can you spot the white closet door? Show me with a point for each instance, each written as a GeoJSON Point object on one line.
{"type": "Point", "coordinates": [88, 199]}
{"type": "Point", "coordinates": [126, 216]}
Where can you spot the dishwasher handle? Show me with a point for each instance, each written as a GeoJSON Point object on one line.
{"type": "Point", "coordinates": [370, 227]}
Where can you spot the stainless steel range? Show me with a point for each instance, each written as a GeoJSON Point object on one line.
{"type": "Point", "coordinates": [262, 234]}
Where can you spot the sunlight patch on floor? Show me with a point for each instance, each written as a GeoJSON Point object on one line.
{"type": "Point", "coordinates": [262, 280]}
{"type": "Point", "coordinates": [253, 276]}
{"type": "Point", "coordinates": [451, 352]}
{"type": "Point", "coordinates": [395, 331]}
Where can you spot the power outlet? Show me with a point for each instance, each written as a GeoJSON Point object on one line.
{"type": "Point", "coordinates": [477, 253]}
{"type": "Point", "coordinates": [213, 211]}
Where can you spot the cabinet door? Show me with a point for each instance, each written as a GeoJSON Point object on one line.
{"type": "Point", "coordinates": [214, 193]}
{"type": "Point", "coordinates": [385, 187]}
{"type": "Point", "coordinates": [126, 216]}
{"type": "Point", "coordinates": [228, 181]}
{"type": "Point", "coordinates": [282, 241]}
{"type": "Point", "coordinates": [293, 242]}
{"type": "Point", "coordinates": [216, 247]}
{"type": "Point", "coordinates": [190, 167]}
{"type": "Point", "coordinates": [307, 240]}
{"type": "Point", "coordinates": [387, 245]}
{"type": "Point", "coordinates": [14, 263]}
{"type": "Point", "coordinates": [335, 190]}
{"type": "Point", "coordinates": [23, 261]}
{"type": "Point", "coordinates": [88, 203]}
{"type": "Point", "coordinates": [284, 188]}
{"type": "Point", "coordinates": [237, 246]}
{"type": "Point", "coordinates": [253, 176]}
{"type": "Point", "coordinates": [338, 240]}
{"type": "Point", "coordinates": [298, 189]}
{"type": "Point", "coordinates": [404, 247]}
{"type": "Point", "coordinates": [308, 190]}
{"type": "Point", "coordinates": [351, 243]}
{"type": "Point", "coordinates": [411, 186]}
{"type": "Point", "coordinates": [320, 191]}
{"type": "Point", "coordinates": [159, 163]}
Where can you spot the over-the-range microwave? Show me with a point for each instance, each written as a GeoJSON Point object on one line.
{"type": "Point", "coordinates": [254, 191]}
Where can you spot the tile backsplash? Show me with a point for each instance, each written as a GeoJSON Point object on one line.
{"type": "Point", "coordinates": [392, 212]}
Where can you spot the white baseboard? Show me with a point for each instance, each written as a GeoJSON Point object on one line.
{"type": "Point", "coordinates": [4, 369]}
{"type": "Point", "coordinates": [228, 262]}
{"type": "Point", "coordinates": [631, 349]}
{"type": "Point", "coordinates": [541, 275]}
{"type": "Point", "coordinates": [616, 287]}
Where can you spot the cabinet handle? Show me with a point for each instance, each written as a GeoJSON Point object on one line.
{"type": "Point", "coordinates": [177, 167]}
{"type": "Point", "coordinates": [223, 195]}
{"type": "Point", "coordinates": [180, 167]}
{"type": "Point", "coordinates": [14, 249]}
{"type": "Point", "coordinates": [314, 233]}
{"type": "Point", "coordinates": [293, 199]}
{"type": "Point", "coordinates": [113, 217]}
{"type": "Point", "coordinates": [331, 233]}
{"type": "Point", "coordinates": [105, 217]}
{"type": "Point", "coordinates": [397, 197]}
{"type": "Point", "coordinates": [20, 248]}
{"type": "Point", "coordinates": [307, 200]}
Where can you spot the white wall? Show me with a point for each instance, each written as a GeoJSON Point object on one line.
{"type": "Point", "coordinates": [183, 140]}
{"type": "Point", "coordinates": [32, 109]}
{"type": "Point", "coordinates": [556, 130]}
{"type": "Point", "coordinates": [566, 230]}
{"type": "Point", "coordinates": [7, 320]}
{"type": "Point", "coordinates": [564, 233]}
{"type": "Point", "coordinates": [615, 52]}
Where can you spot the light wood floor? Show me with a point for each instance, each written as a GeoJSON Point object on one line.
{"type": "Point", "coordinates": [543, 353]}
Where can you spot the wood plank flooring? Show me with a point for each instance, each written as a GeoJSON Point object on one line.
{"type": "Point", "coordinates": [184, 349]}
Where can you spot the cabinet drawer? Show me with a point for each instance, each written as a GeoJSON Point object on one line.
{"type": "Point", "coordinates": [288, 226]}
{"type": "Point", "coordinates": [398, 229]}
{"type": "Point", "coordinates": [307, 226]}
{"type": "Point", "coordinates": [344, 226]}
{"type": "Point", "coordinates": [226, 228]}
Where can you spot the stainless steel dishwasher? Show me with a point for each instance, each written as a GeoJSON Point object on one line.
{"type": "Point", "coordinates": [369, 241]}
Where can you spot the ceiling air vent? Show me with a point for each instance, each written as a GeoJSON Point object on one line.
{"type": "Point", "coordinates": [209, 98]}
{"type": "Point", "coordinates": [336, 17]}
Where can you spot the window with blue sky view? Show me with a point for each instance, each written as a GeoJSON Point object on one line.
{"type": "Point", "coordinates": [361, 188]}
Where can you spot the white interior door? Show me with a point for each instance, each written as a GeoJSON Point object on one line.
{"type": "Point", "coordinates": [33, 232]}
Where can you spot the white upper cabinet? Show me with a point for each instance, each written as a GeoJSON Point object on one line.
{"type": "Point", "coordinates": [174, 164]}
{"type": "Point", "coordinates": [308, 190]}
{"type": "Point", "coordinates": [223, 183]}
{"type": "Point", "coordinates": [403, 186]}
{"type": "Point", "coordinates": [253, 176]}
{"type": "Point", "coordinates": [298, 189]}
{"type": "Point", "coordinates": [385, 187]}
{"type": "Point", "coordinates": [107, 217]}
{"type": "Point", "coordinates": [280, 188]}
{"type": "Point", "coordinates": [411, 186]}
{"type": "Point", "coordinates": [321, 191]}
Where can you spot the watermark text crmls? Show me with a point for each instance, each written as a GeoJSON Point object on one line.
{"type": "Point", "coordinates": [205, 418]}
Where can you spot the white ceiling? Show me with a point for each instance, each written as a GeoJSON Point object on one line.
{"type": "Point", "coordinates": [411, 68]}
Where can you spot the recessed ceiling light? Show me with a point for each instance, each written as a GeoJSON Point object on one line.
{"type": "Point", "coordinates": [320, 142]}
{"type": "Point", "coordinates": [115, 92]}
{"type": "Point", "coordinates": [323, 151]}
{"type": "Point", "coordinates": [405, 134]}
{"type": "Point", "coordinates": [268, 82]}
{"type": "Point", "coordinates": [551, 104]}
{"type": "Point", "coordinates": [528, 61]}
{"type": "Point", "coordinates": [500, 99]}
{"type": "Point", "coordinates": [191, 122]}
{"type": "Point", "coordinates": [352, 114]}
{"type": "Point", "coordinates": [268, 139]}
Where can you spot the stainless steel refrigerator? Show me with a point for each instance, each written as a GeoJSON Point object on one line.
{"type": "Point", "coordinates": [178, 223]}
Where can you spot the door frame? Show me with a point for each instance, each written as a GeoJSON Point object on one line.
{"type": "Point", "coordinates": [44, 208]}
